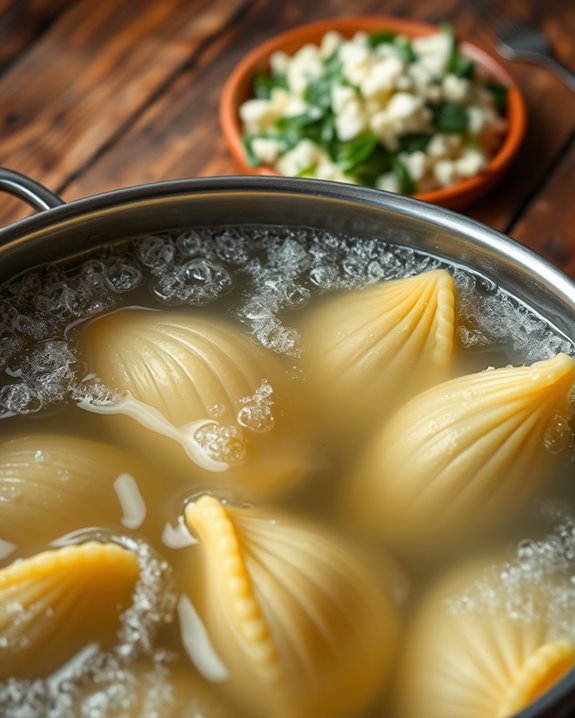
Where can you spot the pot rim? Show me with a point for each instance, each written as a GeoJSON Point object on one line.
{"type": "Point", "coordinates": [482, 234]}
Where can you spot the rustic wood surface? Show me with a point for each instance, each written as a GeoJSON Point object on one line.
{"type": "Point", "coordinates": [96, 94]}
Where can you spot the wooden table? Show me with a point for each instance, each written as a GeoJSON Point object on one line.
{"type": "Point", "coordinates": [100, 94]}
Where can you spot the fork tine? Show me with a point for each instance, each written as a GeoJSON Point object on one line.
{"type": "Point", "coordinates": [506, 25]}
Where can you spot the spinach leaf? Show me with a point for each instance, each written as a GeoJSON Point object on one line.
{"type": "Point", "coordinates": [405, 49]}
{"type": "Point", "coordinates": [351, 153]}
{"type": "Point", "coordinates": [400, 42]}
{"type": "Point", "coordinates": [458, 64]}
{"type": "Point", "coordinates": [414, 142]}
{"type": "Point", "coordinates": [251, 157]}
{"type": "Point", "coordinates": [318, 92]}
{"type": "Point", "coordinates": [377, 164]}
{"type": "Point", "coordinates": [449, 117]}
{"type": "Point", "coordinates": [500, 94]}
{"type": "Point", "coordinates": [406, 184]}
{"type": "Point", "coordinates": [263, 84]}
{"type": "Point", "coordinates": [384, 37]}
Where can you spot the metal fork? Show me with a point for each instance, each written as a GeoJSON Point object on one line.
{"type": "Point", "coordinates": [520, 41]}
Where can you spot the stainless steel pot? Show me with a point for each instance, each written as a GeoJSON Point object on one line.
{"type": "Point", "coordinates": [63, 230]}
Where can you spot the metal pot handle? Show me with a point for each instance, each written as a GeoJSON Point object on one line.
{"type": "Point", "coordinates": [28, 190]}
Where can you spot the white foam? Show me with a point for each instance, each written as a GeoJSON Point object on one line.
{"type": "Point", "coordinates": [196, 641]}
{"type": "Point", "coordinates": [536, 584]}
{"type": "Point", "coordinates": [277, 269]}
{"type": "Point", "coordinates": [131, 502]}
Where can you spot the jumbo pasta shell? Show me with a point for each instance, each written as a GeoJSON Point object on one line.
{"type": "Point", "coordinates": [300, 622]}
{"type": "Point", "coordinates": [58, 601]}
{"type": "Point", "coordinates": [462, 453]}
{"type": "Point", "coordinates": [478, 662]}
{"type": "Point", "coordinates": [52, 484]}
{"type": "Point", "coordinates": [364, 345]}
{"type": "Point", "coordinates": [205, 398]}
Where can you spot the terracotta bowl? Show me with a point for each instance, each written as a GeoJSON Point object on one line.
{"type": "Point", "coordinates": [238, 89]}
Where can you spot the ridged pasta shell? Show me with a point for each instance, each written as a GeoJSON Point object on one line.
{"type": "Point", "coordinates": [302, 625]}
{"type": "Point", "coordinates": [58, 601]}
{"type": "Point", "coordinates": [466, 451]}
{"type": "Point", "coordinates": [364, 345]}
{"type": "Point", "coordinates": [184, 375]}
{"type": "Point", "coordinates": [477, 663]}
{"type": "Point", "coordinates": [52, 484]}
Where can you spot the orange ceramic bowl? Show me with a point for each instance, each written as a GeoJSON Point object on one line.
{"type": "Point", "coordinates": [238, 89]}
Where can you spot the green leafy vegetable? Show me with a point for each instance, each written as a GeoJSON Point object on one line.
{"type": "Point", "coordinates": [405, 49]}
{"type": "Point", "coordinates": [400, 42]}
{"type": "Point", "coordinates": [318, 92]}
{"type": "Point", "coordinates": [263, 84]}
{"type": "Point", "coordinates": [450, 117]}
{"type": "Point", "coordinates": [384, 37]}
{"type": "Point", "coordinates": [251, 157]}
{"type": "Point", "coordinates": [414, 142]}
{"type": "Point", "coordinates": [406, 184]}
{"type": "Point", "coordinates": [458, 64]}
{"type": "Point", "coordinates": [377, 164]}
{"type": "Point", "coordinates": [350, 154]}
{"type": "Point", "coordinates": [500, 94]}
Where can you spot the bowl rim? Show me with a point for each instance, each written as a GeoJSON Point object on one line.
{"type": "Point", "coordinates": [454, 196]}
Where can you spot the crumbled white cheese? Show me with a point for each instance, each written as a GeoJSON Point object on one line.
{"type": "Point", "coordinates": [456, 89]}
{"type": "Point", "coordinates": [352, 121]}
{"type": "Point", "coordinates": [382, 77]}
{"type": "Point", "coordinates": [266, 149]}
{"type": "Point", "coordinates": [329, 44]}
{"type": "Point", "coordinates": [279, 62]}
{"type": "Point", "coordinates": [341, 97]}
{"type": "Point", "coordinates": [433, 52]}
{"type": "Point", "coordinates": [387, 182]}
{"type": "Point", "coordinates": [415, 163]}
{"type": "Point", "coordinates": [470, 163]}
{"type": "Point", "coordinates": [444, 172]}
{"type": "Point", "coordinates": [301, 157]}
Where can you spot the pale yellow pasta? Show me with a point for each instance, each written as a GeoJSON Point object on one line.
{"type": "Point", "coordinates": [465, 452]}
{"type": "Point", "coordinates": [52, 484]}
{"type": "Point", "coordinates": [201, 397]}
{"type": "Point", "coordinates": [301, 623]}
{"type": "Point", "coordinates": [56, 602]}
{"type": "Point", "coordinates": [481, 662]}
{"type": "Point", "coordinates": [367, 345]}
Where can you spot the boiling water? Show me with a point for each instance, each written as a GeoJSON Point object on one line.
{"type": "Point", "coordinates": [263, 280]}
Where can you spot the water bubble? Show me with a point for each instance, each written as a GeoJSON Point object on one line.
{"type": "Point", "coordinates": [197, 282]}
{"type": "Point", "coordinates": [190, 244]}
{"type": "Point", "coordinates": [324, 276]}
{"type": "Point", "coordinates": [156, 252]}
{"type": "Point", "coordinates": [221, 443]}
{"type": "Point", "coordinates": [256, 412]}
{"type": "Point", "coordinates": [122, 277]}
{"type": "Point", "coordinates": [20, 399]}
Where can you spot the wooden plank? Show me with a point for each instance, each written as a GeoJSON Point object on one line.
{"type": "Point", "coordinates": [21, 22]}
{"type": "Point", "coordinates": [548, 222]}
{"type": "Point", "coordinates": [178, 136]}
{"type": "Point", "coordinates": [551, 114]}
{"type": "Point", "coordinates": [99, 65]}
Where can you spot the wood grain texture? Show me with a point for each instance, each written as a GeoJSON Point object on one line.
{"type": "Point", "coordinates": [136, 98]}
{"type": "Point", "coordinates": [22, 22]}
{"type": "Point", "coordinates": [548, 223]}
{"type": "Point", "coordinates": [99, 65]}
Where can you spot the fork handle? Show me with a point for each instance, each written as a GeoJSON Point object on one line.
{"type": "Point", "coordinates": [564, 73]}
